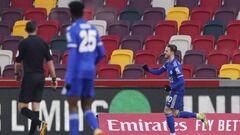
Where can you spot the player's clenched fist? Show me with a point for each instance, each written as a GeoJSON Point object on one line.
{"type": "Point", "coordinates": [145, 67]}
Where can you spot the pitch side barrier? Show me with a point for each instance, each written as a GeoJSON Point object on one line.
{"type": "Point", "coordinates": [125, 96]}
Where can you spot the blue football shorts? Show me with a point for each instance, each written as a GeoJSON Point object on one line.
{"type": "Point", "coordinates": [81, 88]}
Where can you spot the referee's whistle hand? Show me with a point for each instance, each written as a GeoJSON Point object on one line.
{"type": "Point", "coordinates": [54, 84]}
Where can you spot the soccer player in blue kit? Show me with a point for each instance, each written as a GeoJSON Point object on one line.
{"type": "Point", "coordinates": [174, 102]}
{"type": "Point", "coordinates": [85, 51]}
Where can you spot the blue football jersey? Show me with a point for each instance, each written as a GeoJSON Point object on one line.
{"type": "Point", "coordinates": [85, 51]}
{"type": "Point", "coordinates": [176, 78]}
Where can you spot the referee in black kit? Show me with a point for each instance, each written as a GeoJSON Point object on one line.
{"type": "Point", "coordinates": [30, 58]}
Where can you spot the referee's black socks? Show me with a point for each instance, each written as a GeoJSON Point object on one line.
{"type": "Point", "coordinates": [31, 115]}
{"type": "Point", "coordinates": [33, 124]}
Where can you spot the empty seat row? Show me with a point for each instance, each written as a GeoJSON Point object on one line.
{"type": "Point", "coordinates": [135, 71]}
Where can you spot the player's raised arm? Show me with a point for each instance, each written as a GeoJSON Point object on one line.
{"type": "Point", "coordinates": [154, 71]}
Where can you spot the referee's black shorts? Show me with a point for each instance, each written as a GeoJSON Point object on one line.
{"type": "Point", "coordinates": [32, 88]}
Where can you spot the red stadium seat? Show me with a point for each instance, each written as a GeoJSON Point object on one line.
{"type": "Point", "coordinates": [142, 28]}
{"type": "Point", "coordinates": [191, 28]}
{"type": "Point", "coordinates": [218, 58]}
{"type": "Point", "coordinates": [111, 43]}
{"type": "Point", "coordinates": [11, 43]}
{"type": "Point", "coordinates": [8, 72]}
{"type": "Point", "coordinates": [154, 14]}
{"type": "Point", "coordinates": [213, 4]}
{"type": "Point", "coordinates": [65, 57]}
{"type": "Point", "coordinates": [151, 76]}
{"type": "Point", "coordinates": [134, 43]}
{"type": "Point", "coordinates": [60, 70]}
{"type": "Point", "coordinates": [236, 57]}
{"type": "Point", "coordinates": [194, 57]}
{"type": "Point", "coordinates": [48, 29]}
{"type": "Point", "coordinates": [5, 29]}
{"type": "Point", "coordinates": [227, 43]}
{"type": "Point", "coordinates": [156, 44]}
{"type": "Point", "coordinates": [102, 62]}
{"type": "Point", "coordinates": [188, 70]}
{"type": "Point", "coordinates": [202, 14]}
{"type": "Point", "coordinates": [145, 57]}
{"type": "Point", "coordinates": [233, 28]}
{"type": "Point", "coordinates": [206, 72]}
{"type": "Point", "coordinates": [117, 4]}
{"type": "Point", "coordinates": [24, 5]}
{"type": "Point", "coordinates": [36, 14]}
{"type": "Point", "coordinates": [166, 28]}
{"type": "Point", "coordinates": [62, 15]}
{"type": "Point", "coordinates": [133, 72]}
{"type": "Point", "coordinates": [109, 71]}
{"type": "Point", "coordinates": [203, 43]}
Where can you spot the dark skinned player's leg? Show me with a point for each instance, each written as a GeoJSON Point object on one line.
{"type": "Point", "coordinates": [73, 109]}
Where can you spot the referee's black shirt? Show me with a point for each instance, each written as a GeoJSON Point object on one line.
{"type": "Point", "coordinates": [32, 51]}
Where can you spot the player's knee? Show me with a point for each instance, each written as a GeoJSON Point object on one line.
{"type": "Point", "coordinates": [167, 111]}
{"type": "Point", "coordinates": [175, 114]}
{"type": "Point", "coordinates": [86, 108]}
{"type": "Point", "coordinates": [21, 106]}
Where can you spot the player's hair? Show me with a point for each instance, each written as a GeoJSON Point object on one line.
{"type": "Point", "coordinates": [173, 48]}
{"type": "Point", "coordinates": [31, 26]}
{"type": "Point", "coordinates": [76, 9]}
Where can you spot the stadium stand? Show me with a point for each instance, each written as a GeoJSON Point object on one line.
{"type": "Point", "coordinates": [231, 71]}
{"type": "Point", "coordinates": [111, 43]}
{"type": "Point", "coordinates": [194, 58]}
{"type": "Point", "coordinates": [36, 14]}
{"type": "Point", "coordinates": [120, 28]}
{"type": "Point", "coordinates": [145, 57]}
{"type": "Point", "coordinates": [155, 44]}
{"type": "Point", "coordinates": [62, 15]}
{"type": "Point", "coordinates": [169, 28]}
{"type": "Point", "coordinates": [215, 28]}
{"type": "Point", "coordinates": [183, 42]}
{"type": "Point", "coordinates": [122, 57]}
{"type": "Point", "coordinates": [188, 70]}
{"type": "Point", "coordinates": [154, 14]}
{"type": "Point", "coordinates": [203, 43]}
{"type": "Point", "coordinates": [8, 72]}
{"type": "Point", "coordinates": [117, 4]}
{"type": "Point", "coordinates": [206, 71]}
{"type": "Point", "coordinates": [130, 14]}
{"type": "Point", "coordinates": [47, 4]}
{"type": "Point", "coordinates": [27, 4]}
{"type": "Point", "coordinates": [134, 43]}
{"type": "Point", "coordinates": [139, 26]}
{"type": "Point", "coordinates": [100, 25]}
{"type": "Point", "coordinates": [192, 28]}
{"type": "Point", "coordinates": [202, 14]}
{"type": "Point", "coordinates": [19, 28]}
{"type": "Point", "coordinates": [5, 29]}
{"type": "Point", "coordinates": [50, 27]}
{"type": "Point", "coordinates": [133, 72]}
{"type": "Point", "coordinates": [227, 43]}
{"type": "Point", "coordinates": [11, 43]}
{"type": "Point", "coordinates": [186, 3]}
{"type": "Point", "coordinates": [59, 43]}
{"type": "Point", "coordinates": [107, 14]}
{"type": "Point", "coordinates": [218, 58]}
{"type": "Point", "coordinates": [178, 14]}
{"type": "Point", "coordinates": [109, 71]}
{"type": "Point", "coordinates": [6, 57]}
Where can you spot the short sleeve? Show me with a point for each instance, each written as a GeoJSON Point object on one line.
{"type": "Point", "coordinates": [71, 38]}
{"type": "Point", "coordinates": [20, 53]}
